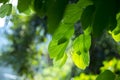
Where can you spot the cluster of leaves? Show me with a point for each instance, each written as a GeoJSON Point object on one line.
{"type": "Point", "coordinates": [96, 17]}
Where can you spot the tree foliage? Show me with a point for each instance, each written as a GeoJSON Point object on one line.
{"type": "Point", "coordinates": [97, 17]}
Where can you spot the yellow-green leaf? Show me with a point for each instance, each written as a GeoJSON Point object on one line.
{"type": "Point", "coordinates": [80, 53]}
{"type": "Point", "coordinates": [116, 37]}
{"type": "Point", "coordinates": [81, 61]}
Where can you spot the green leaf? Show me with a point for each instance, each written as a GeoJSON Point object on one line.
{"type": "Point", "coordinates": [106, 75]}
{"type": "Point", "coordinates": [62, 35]}
{"type": "Point", "coordinates": [71, 14]}
{"type": "Point", "coordinates": [23, 5]}
{"type": "Point", "coordinates": [80, 54]}
{"type": "Point", "coordinates": [60, 40]}
{"type": "Point", "coordinates": [5, 10]}
{"type": "Point", "coordinates": [82, 43]}
{"type": "Point", "coordinates": [74, 11]}
{"type": "Point", "coordinates": [84, 3]}
{"type": "Point", "coordinates": [103, 13]}
{"type": "Point", "coordinates": [116, 37]}
{"type": "Point", "coordinates": [81, 61]}
{"type": "Point", "coordinates": [87, 16]}
{"type": "Point", "coordinates": [61, 62]}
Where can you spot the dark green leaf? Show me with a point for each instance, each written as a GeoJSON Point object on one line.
{"type": "Point", "coordinates": [112, 22]}
{"type": "Point", "coordinates": [55, 13]}
{"type": "Point", "coordinates": [106, 75]}
{"type": "Point", "coordinates": [104, 10]}
{"type": "Point", "coordinates": [40, 6]}
{"type": "Point", "coordinates": [87, 16]}
{"type": "Point", "coordinates": [23, 5]}
{"type": "Point", "coordinates": [5, 10]}
{"type": "Point", "coordinates": [72, 13]}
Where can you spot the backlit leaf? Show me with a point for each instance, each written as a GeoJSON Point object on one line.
{"type": "Point", "coordinates": [60, 40]}
{"type": "Point", "coordinates": [81, 61]}
{"type": "Point", "coordinates": [116, 32]}
{"type": "Point", "coordinates": [74, 11]}
{"type": "Point", "coordinates": [116, 37]}
{"type": "Point", "coordinates": [81, 44]}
